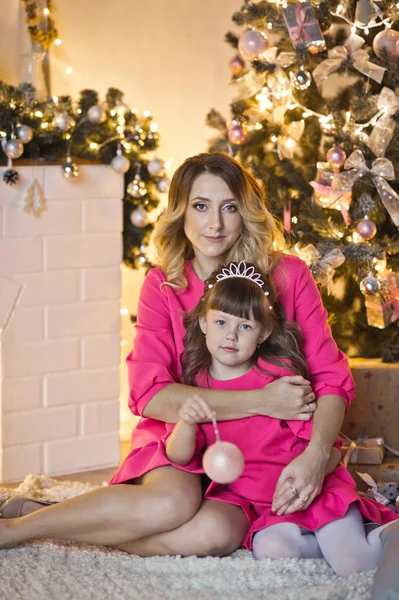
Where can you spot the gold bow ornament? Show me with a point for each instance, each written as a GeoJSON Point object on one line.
{"type": "Point", "coordinates": [381, 170]}
{"type": "Point", "coordinates": [322, 268]}
{"type": "Point", "coordinates": [350, 50]}
{"type": "Point", "coordinates": [381, 136]}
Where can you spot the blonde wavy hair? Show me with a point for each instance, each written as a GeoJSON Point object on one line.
{"type": "Point", "coordinates": [261, 234]}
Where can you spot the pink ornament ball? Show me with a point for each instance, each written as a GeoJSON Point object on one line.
{"type": "Point", "coordinates": [237, 134]}
{"type": "Point", "coordinates": [223, 462]}
{"type": "Point", "coordinates": [236, 65]}
{"type": "Point", "coordinates": [336, 156]}
{"type": "Point", "coordinates": [251, 43]}
{"type": "Point", "coordinates": [366, 228]}
{"type": "Point", "coordinates": [386, 41]}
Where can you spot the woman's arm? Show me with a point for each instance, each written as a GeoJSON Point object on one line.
{"type": "Point", "coordinates": [306, 472]}
{"type": "Point", "coordinates": [334, 460]}
{"type": "Point", "coordinates": [284, 399]}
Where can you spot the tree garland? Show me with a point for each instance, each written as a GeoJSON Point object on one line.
{"type": "Point", "coordinates": [33, 18]}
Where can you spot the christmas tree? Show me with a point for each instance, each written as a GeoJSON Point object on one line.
{"type": "Point", "coordinates": [313, 117]}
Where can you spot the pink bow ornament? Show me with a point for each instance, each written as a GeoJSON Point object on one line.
{"type": "Point", "coordinates": [381, 136]}
{"type": "Point", "coordinates": [381, 170]}
{"type": "Point", "coordinates": [325, 193]}
{"type": "Point", "coordinates": [352, 51]}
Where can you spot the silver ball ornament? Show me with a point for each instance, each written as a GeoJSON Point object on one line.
{"type": "Point", "coordinates": [136, 188]}
{"type": "Point", "coordinates": [336, 156]}
{"type": "Point", "coordinates": [251, 43]}
{"type": "Point", "coordinates": [69, 168]}
{"type": "Point", "coordinates": [64, 122]}
{"type": "Point", "coordinates": [369, 285]}
{"type": "Point", "coordinates": [155, 166]}
{"type": "Point", "coordinates": [96, 114]}
{"type": "Point", "coordinates": [223, 462]}
{"type": "Point", "coordinates": [139, 217]}
{"type": "Point", "coordinates": [120, 163]}
{"type": "Point", "coordinates": [366, 228]}
{"type": "Point", "coordinates": [162, 185]}
{"type": "Point", "coordinates": [13, 148]}
{"type": "Point", "coordinates": [301, 80]}
{"type": "Point", "coordinates": [25, 133]}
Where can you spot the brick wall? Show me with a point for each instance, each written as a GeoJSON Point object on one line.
{"type": "Point", "coordinates": [60, 323]}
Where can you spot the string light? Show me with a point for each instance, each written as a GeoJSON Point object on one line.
{"type": "Point", "coordinates": [68, 70]}
{"type": "Point", "coordinates": [57, 42]}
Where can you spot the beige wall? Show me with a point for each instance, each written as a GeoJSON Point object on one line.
{"type": "Point", "coordinates": [168, 56]}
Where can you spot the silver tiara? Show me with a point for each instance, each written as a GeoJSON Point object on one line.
{"type": "Point", "coordinates": [242, 271]}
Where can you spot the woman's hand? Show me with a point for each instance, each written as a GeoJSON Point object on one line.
{"type": "Point", "coordinates": [300, 482]}
{"type": "Point", "coordinates": [287, 398]}
{"type": "Point", "coordinates": [195, 410]}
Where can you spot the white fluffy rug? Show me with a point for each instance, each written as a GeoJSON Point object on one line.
{"type": "Point", "coordinates": [66, 571]}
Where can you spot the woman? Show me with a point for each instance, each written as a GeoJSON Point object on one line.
{"type": "Point", "coordinates": [216, 213]}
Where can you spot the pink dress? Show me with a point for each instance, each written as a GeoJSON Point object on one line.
{"type": "Point", "coordinates": [268, 445]}
{"type": "Point", "coordinates": [155, 359]}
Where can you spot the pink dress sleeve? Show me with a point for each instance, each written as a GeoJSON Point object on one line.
{"type": "Point", "coordinates": [153, 362]}
{"type": "Point", "coordinates": [328, 366]}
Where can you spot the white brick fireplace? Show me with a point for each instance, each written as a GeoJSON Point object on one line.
{"type": "Point", "coordinates": [60, 323]}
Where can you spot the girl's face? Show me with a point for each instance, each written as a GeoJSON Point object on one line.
{"type": "Point", "coordinates": [212, 222]}
{"type": "Point", "coordinates": [231, 341]}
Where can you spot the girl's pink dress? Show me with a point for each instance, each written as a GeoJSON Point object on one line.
{"type": "Point", "coordinates": [155, 359]}
{"type": "Point", "coordinates": [268, 445]}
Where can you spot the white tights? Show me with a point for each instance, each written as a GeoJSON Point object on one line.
{"type": "Point", "coordinates": [343, 543]}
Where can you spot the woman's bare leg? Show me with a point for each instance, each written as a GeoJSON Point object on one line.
{"type": "Point", "coordinates": [216, 529]}
{"type": "Point", "coordinates": [166, 498]}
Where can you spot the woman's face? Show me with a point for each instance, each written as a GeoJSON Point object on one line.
{"type": "Point", "coordinates": [212, 222]}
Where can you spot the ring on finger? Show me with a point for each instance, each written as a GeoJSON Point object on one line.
{"type": "Point", "coordinates": [309, 407]}
{"type": "Point", "coordinates": [294, 491]}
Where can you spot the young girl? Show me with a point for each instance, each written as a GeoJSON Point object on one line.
{"type": "Point", "coordinates": [237, 337]}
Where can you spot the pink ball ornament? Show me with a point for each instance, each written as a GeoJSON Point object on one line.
{"type": "Point", "coordinates": [223, 462]}
{"type": "Point", "coordinates": [237, 133]}
{"type": "Point", "coordinates": [336, 156]}
{"type": "Point", "coordinates": [236, 65]}
{"type": "Point", "coordinates": [366, 228]}
{"type": "Point", "coordinates": [251, 43]}
{"type": "Point", "coordinates": [386, 41]}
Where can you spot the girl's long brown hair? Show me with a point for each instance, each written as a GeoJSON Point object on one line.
{"type": "Point", "coordinates": [245, 299]}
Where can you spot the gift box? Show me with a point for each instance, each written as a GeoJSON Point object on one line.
{"type": "Point", "coordinates": [363, 451]}
{"type": "Point", "coordinates": [374, 412]}
{"type": "Point", "coordinates": [303, 27]}
{"type": "Point", "coordinates": [383, 306]}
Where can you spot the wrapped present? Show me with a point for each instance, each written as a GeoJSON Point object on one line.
{"type": "Point", "coordinates": [383, 306]}
{"type": "Point", "coordinates": [325, 194]}
{"type": "Point", "coordinates": [363, 451]}
{"type": "Point", "coordinates": [303, 27]}
{"type": "Point", "coordinates": [386, 493]}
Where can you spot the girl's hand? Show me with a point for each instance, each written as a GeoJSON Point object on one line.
{"type": "Point", "coordinates": [300, 482]}
{"type": "Point", "coordinates": [287, 398]}
{"type": "Point", "coordinates": [195, 410]}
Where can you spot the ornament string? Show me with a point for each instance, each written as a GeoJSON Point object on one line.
{"type": "Point", "coordinates": [216, 429]}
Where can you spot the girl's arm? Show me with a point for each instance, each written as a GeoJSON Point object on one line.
{"type": "Point", "coordinates": [181, 445]}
